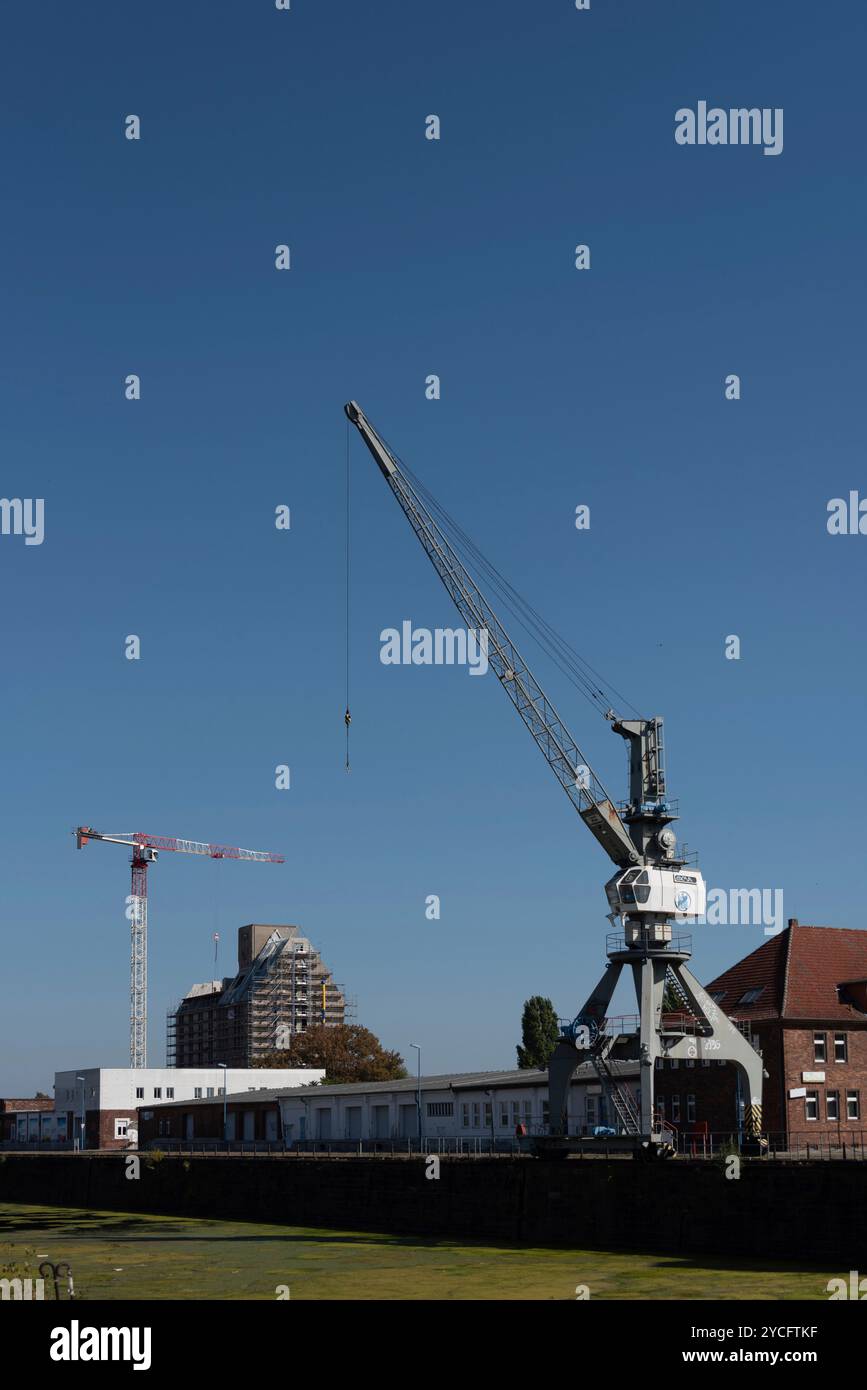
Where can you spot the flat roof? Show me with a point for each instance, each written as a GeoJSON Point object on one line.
{"type": "Point", "coordinates": [455, 1081]}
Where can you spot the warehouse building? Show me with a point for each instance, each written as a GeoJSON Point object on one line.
{"type": "Point", "coordinates": [282, 987]}
{"type": "Point", "coordinates": [471, 1106]}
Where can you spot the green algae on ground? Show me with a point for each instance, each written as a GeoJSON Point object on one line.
{"type": "Point", "coordinates": [119, 1255]}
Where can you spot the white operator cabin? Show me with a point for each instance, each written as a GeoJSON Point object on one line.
{"type": "Point", "coordinates": [96, 1107]}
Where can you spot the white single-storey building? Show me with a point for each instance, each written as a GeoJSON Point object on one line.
{"type": "Point", "coordinates": [471, 1105]}
{"type": "Point", "coordinates": [96, 1107]}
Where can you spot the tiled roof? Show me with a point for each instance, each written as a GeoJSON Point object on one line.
{"type": "Point", "coordinates": [798, 973]}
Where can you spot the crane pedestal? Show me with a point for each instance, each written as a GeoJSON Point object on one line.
{"type": "Point", "coordinates": [695, 1029]}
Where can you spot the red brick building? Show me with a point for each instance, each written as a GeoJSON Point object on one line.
{"type": "Point", "coordinates": [802, 997]}
{"type": "Point", "coordinates": [21, 1120]}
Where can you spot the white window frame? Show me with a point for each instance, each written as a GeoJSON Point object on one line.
{"type": "Point", "coordinates": [841, 1044]}
{"type": "Point", "coordinates": [121, 1128]}
{"type": "Point", "coordinates": [811, 1102]}
{"type": "Point", "coordinates": [853, 1105]}
{"type": "Point", "coordinates": [832, 1105]}
{"type": "Point", "coordinates": [820, 1047]}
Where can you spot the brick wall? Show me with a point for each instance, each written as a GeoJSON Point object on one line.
{"type": "Point", "coordinates": [840, 1077]}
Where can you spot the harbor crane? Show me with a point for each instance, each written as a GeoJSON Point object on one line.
{"type": "Point", "coordinates": [655, 886]}
{"type": "Point", "coordinates": [145, 851]}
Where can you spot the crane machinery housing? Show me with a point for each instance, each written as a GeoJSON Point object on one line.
{"type": "Point", "coordinates": [655, 885]}
{"type": "Point", "coordinates": [146, 851]}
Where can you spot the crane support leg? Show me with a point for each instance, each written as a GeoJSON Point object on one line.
{"type": "Point", "coordinates": [566, 1057]}
{"type": "Point", "coordinates": [724, 1042]}
{"type": "Point", "coordinates": [701, 1031]}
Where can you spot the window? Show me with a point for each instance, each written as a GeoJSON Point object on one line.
{"type": "Point", "coordinates": [197, 1093]}
{"type": "Point", "coordinates": [476, 1115]}
{"type": "Point", "coordinates": [170, 1093]}
{"type": "Point", "coordinates": [516, 1112]}
{"type": "Point", "coordinates": [690, 1062]}
{"type": "Point", "coordinates": [811, 1105]}
{"type": "Point", "coordinates": [674, 1064]}
{"type": "Point", "coordinates": [210, 1091]}
{"type": "Point", "coordinates": [120, 1128]}
{"type": "Point", "coordinates": [819, 1047]}
{"type": "Point", "coordinates": [528, 1111]}
{"type": "Point", "coordinates": [675, 1109]}
{"type": "Point", "coordinates": [590, 1111]}
{"type": "Point", "coordinates": [658, 1063]}
{"type": "Point", "coordinates": [504, 1115]}
{"type": "Point", "coordinates": [853, 1106]}
{"type": "Point", "coordinates": [158, 1092]}
{"type": "Point", "coordinates": [705, 1062]}
{"type": "Point", "coordinates": [832, 1105]}
{"type": "Point", "coordinates": [660, 1106]}
{"type": "Point", "coordinates": [465, 1116]}
{"type": "Point", "coordinates": [841, 1048]}
{"type": "Point", "coordinates": [489, 1115]}
{"type": "Point", "coordinates": [690, 1110]}
{"type": "Point", "coordinates": [750, 996]}
{"type": "Point", "coordinates": [440, 1107]}
{"type": "Point", "coordinates": [718, 996]}
{"type": "Point", "coordinates": [139, 1092]}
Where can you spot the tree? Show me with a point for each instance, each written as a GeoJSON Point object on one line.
{"type": "Point", "coordinates": [346, 1051]}
{"type": "Point", "coordinates": [540, 1033]}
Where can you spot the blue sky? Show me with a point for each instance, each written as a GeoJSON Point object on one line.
{"type": "Point", "coordinates": [559, 387]}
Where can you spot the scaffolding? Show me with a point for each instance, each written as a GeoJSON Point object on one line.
{"type": "Point", "coordinates": [284, 991]}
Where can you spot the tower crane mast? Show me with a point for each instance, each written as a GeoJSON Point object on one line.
{"type": "Point", "coordinates": [145, 851]}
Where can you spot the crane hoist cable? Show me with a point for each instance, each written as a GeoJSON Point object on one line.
{"type": "Point", "coordinates": [347, 718]}
{"type": "Point", "coordinates": [573, 666]}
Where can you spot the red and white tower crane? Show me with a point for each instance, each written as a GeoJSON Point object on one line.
{"type": "Point", "coordinates": [145, 851]}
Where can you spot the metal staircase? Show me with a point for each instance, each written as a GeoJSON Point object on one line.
{"type": "Point", "coordinates": [619, 1097]}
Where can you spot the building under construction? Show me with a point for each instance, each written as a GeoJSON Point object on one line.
{"type": "Point", "coordinates": [282, 988]}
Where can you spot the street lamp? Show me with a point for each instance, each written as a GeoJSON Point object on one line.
{"type": "Point", "coordinates": [225, 1118]}
{"type": "Point", "coordinates": [81, 1137]}
{"type": "Point", "coordinates": [418, 1090]}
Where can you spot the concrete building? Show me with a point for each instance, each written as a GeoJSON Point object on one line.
{"type": "Point", "coordinates": [96, 1107]}
{"type": "Point", "coordinates": [470, 1106]}
{"type": "Point", "coordinates": [281, 988]}
{"type": "Point", "coordinates": [801, 997]}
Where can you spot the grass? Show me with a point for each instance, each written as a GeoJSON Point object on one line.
{"type": "Point", "coordinates": [115, 1255]}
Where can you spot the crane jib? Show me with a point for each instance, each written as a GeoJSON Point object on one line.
{"type": "Point", "coordinates": [538, 714]}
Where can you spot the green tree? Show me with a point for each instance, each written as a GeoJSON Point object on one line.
{"type": "Point", "coordinates": [346, 1051]}
{"type": "Point", "coordinates": [540, 1033]}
